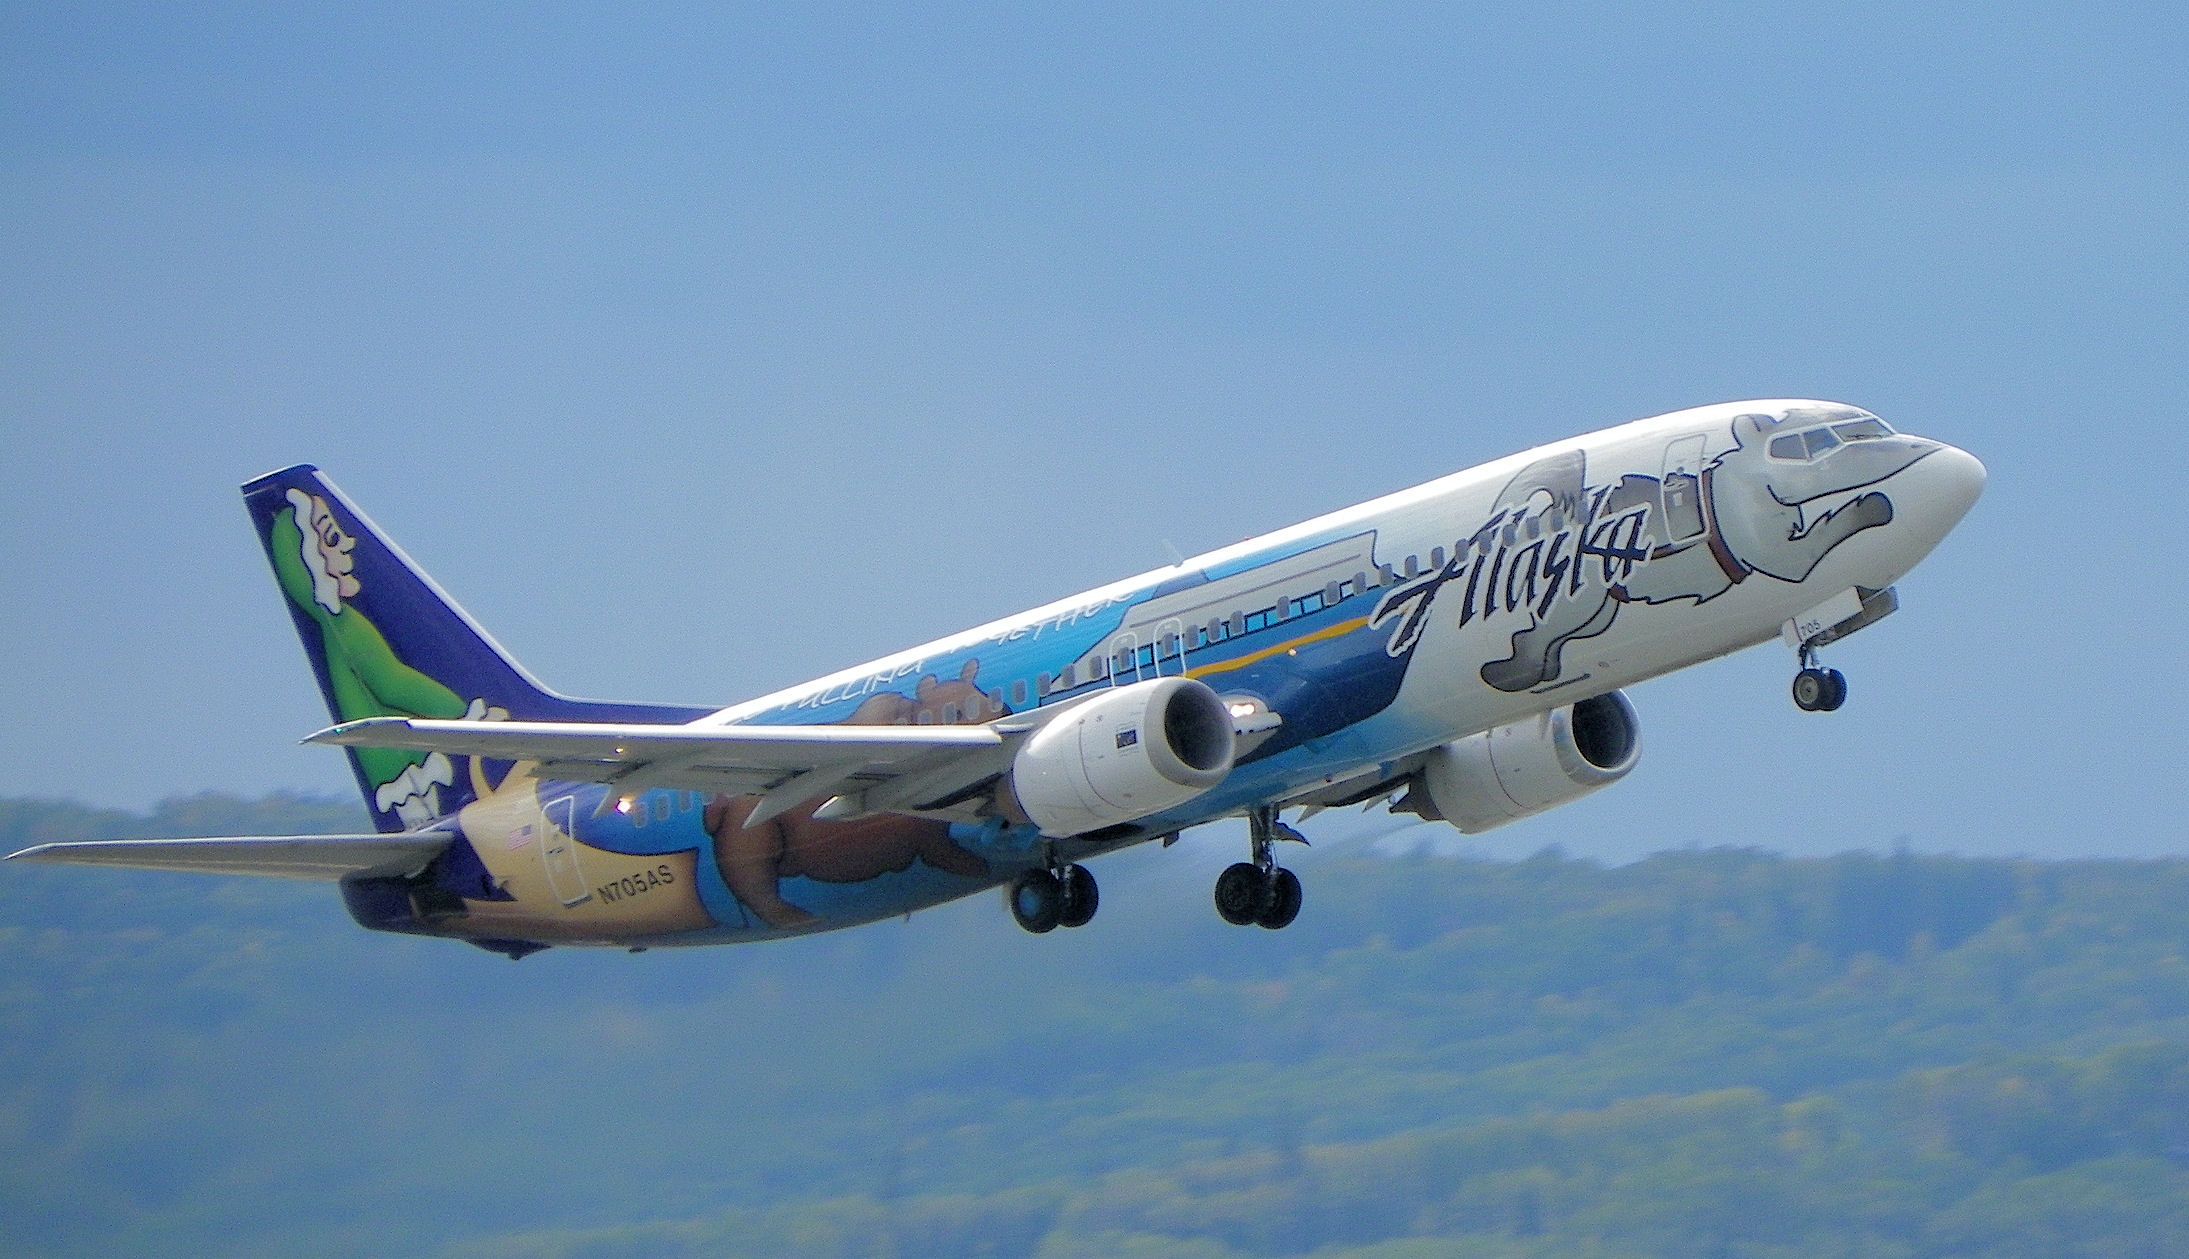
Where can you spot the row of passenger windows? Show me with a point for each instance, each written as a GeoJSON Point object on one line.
{"type": "Point", "coordinates": [1170, 645]}
{"type": "Point", "coordinates": [1144, 658]}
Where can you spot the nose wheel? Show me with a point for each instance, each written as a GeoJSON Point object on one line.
{"type": "Point", "coordinates": [1817, 689]}
{"type": "Point", "coordinates": [1260, 892]}
{"type": "Point", "coordinates": [1042, 900]}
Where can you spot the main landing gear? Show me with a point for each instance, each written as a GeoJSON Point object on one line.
{"type": "Point", "coordinates": [1261, 891]}
{"type": "Point", "coordinates": [1060, 896]}
{"type": "Point", "coordinates": [1816, 689]}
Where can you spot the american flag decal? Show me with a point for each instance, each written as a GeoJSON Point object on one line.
{"type": "Point", "coordinates": [520, 838]}
{"type": "Point", "coordinates": [1127, 737]}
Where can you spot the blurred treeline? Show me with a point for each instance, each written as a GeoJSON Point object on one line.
{"type": "Point", "coordinates": [1719, 1053]}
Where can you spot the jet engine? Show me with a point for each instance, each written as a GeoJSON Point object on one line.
{"type": "Point", "coordinates": [1486, 780]}
{"type": "Point", "coordinates": [1122, 756]}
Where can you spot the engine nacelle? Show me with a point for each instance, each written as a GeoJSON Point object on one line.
{"type": "Point", "coordinates": [1486, 780]}
{"type": "Point", "coordinates": [1122, 756]}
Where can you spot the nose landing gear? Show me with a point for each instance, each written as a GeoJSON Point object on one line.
{"type": "Point", "coordinates": [1818, 690]}
{"type": "Point", "coordinates": [1260, 891]}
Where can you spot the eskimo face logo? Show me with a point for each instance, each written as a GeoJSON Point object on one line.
{"type": "Point", "coordinates": [1566, 556]}
{"type": "Point", "coordinates": [327, 551]}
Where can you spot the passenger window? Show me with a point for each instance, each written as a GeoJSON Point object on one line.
{"type": "Point", "coordinates": [1018, 693]}
{"type": "Point", "coordinates": [1788, 447]}
{"type": "Point", "coordinates": [1821, 442]}
{"type": "Point", "coordinates": [1332, 593]}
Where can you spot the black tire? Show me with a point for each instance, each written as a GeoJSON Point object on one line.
{"type": "Point", "coordinates": [1835, 690]}
{"type": "Point", "coordinates": [1081, 897]}
{"type": "Point", "coordinates": [1242, 894]}
{"type": "Point", "coordinates": [1810, 690]}
{"type": "Point", "coordinates": [1037, 901]}
{"type": "Point", "coordinates": [1284, 900]}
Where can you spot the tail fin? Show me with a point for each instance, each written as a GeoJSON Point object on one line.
{"type": "Point", "coordinates": [385, 641]}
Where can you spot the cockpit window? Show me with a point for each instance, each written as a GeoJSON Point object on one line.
{"type": "Point", "coordinates": [1787, 447]}
{"type": "Point", "coordinates": [1821, 442]}
{"type": "Point", "coordinates": [1862, 430]}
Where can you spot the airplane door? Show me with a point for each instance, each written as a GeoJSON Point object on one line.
{"type": "Point", "coordinates": [559, 853]}
{"type": "Point", "coordinates": [1170, 647]}
{"type": "Point", "coordinates": [1125, 659]}
{"type": "Point", "coordinates": [1682, 491]}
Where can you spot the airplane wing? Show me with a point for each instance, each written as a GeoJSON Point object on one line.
{"type": "Point", "coordinates": [872, 768]}
{"type": "Point", "coordinates": [321, 857]}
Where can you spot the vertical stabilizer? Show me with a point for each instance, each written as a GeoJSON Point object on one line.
{"type": "Point", "coordinates": [385, 641]}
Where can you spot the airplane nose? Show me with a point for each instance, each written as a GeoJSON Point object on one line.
{"type": "Point", "coordinates": [1939, 490]}
{"type": "Point", "coordinates": [1961, 477]}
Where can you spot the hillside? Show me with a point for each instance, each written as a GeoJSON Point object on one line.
{"type": "Point", "coordinates": [1714, 1053]}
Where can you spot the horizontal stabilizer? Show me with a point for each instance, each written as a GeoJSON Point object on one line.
{"type": "Point", "coordinates": [322, 857]}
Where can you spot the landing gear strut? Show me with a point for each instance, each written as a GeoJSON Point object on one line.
{"type": "Point", "coordinates": [1058, 896]}
{"type": "Point", "coordinates": [1816, 689]}
{"type": "Point", "coordinates": [1261, 891]}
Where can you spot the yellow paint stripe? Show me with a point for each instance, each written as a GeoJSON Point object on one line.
{"type": "Point", "coordinates": [1320, 636]}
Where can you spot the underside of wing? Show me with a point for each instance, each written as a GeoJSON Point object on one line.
{"type": "Point", "coordinates": [319, 857]}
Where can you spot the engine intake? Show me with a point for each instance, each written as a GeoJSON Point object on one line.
{"type": "Point", "coordinates": [1485, 780]}
{"type": "Point", "coordinates": [1123, 756]}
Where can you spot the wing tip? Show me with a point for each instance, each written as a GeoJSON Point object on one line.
{"type": "Point", "coordinates": [348, 732]}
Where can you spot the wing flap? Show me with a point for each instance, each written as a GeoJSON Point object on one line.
{"type": "Point", "coordinates": [319, 857]}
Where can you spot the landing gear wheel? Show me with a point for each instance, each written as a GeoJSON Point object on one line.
{"type": "Point", "coordinates": [1081, 897]}
{"type": "Point", "coordinates": [1284, 900]}
{"type": "Point", "coordinates": [1811, 689]}
{"type": "Point", "coordinates": [1243, 894]}
{"type": "Point", "coordinates": [1835, 691]}
{"type": "Point", "coordinates": [1037, 901]}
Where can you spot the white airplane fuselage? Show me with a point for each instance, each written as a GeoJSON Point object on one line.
{"type": "Point", "coordinates": [1373, 634]}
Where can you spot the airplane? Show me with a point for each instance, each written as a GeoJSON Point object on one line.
{"type": "Point", "coordinates": [1457, 651]}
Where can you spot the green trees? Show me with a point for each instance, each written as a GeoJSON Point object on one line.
{"type": "Point", "coordinates": [1706, 1053]}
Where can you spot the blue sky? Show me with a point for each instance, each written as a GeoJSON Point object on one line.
{"type": "Point", "coordinates": [702, 351]}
